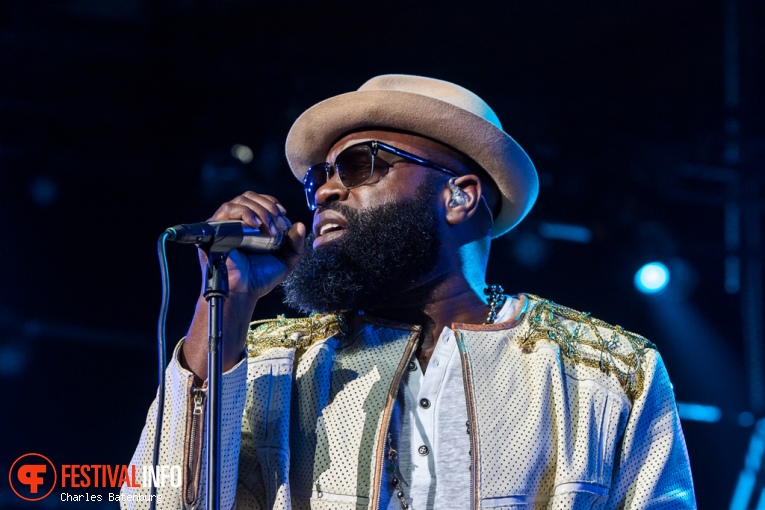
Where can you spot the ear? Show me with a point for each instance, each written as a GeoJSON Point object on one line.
{"type": "Point", "coordinates": [461, 210]}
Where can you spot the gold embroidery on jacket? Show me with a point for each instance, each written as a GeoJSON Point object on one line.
{"type": "Point", "coordinates": [297, 333]}
{"type": "Point", "coordinates": [604, 346]}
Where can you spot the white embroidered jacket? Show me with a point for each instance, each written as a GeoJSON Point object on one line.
{"type": "Point", "coordinates": [565, 412]}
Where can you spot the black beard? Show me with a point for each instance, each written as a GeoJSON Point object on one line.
{"type": "Point", "coordinates": [383, 252]}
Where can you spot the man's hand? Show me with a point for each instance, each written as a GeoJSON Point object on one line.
{"type": "Point", "coordinates": [251, 276]}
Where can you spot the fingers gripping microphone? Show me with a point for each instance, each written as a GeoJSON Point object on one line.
{"type": "Point", "coordinates": [226, 236]}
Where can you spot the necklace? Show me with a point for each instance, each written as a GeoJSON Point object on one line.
{"type": "Point", "coordinates": [393, 470]}
{"type": "Point", "coordinates": [496, 297]}
{"type": "Point", "coordinates": [497, 300]}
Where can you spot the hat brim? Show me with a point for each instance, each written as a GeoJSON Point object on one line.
{"type": "Point", "coordinates": [319, 127]}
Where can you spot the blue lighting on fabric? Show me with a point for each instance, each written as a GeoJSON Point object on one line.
{"type": "Point", "coordinates": [698, 412]}
{"type": "Point", "coordinates": [652, 278]}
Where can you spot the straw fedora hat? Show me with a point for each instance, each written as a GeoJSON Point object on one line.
{"type": "Point", "coordinates": [432, 108]}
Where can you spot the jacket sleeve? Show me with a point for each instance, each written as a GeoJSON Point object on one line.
{"type": "Point", "coordinates": [652, 469]}
{"type": "Point", "coordinates": [183, 445]}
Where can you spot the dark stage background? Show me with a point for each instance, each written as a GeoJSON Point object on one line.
{"type": "Point", "coordinates": [120, 118]}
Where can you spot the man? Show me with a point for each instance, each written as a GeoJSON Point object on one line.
{"type": "Point", "coordinates": [415, 385]}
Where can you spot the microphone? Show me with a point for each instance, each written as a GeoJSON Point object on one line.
{"type": "Point", "coordinates": [226, 236]}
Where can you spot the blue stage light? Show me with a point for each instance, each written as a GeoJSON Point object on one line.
{"type": "Point", "coordinates": [698, 412]}
{"type": "Point", "coordinates": [652, 278]}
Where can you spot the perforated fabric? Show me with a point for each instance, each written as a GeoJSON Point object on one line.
{"type": "Point", "coordinates": [550, 429]}
{"type": "Point", "coordinates": [264, 456]}
{"type": "Point", "coordinates": [552, 436]}
{"type": "Point", "coordinates": [178, 383]}
{"type": "Point", "coordinates": [336, 452]}
{"type": "Point", "coordinates": [653, 450]}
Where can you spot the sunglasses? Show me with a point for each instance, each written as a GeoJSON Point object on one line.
{"type": "Point", "coordinates": [356, 165]}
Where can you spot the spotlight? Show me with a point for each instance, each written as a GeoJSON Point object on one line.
{"type": "Point", "coordinates": [652, 278]}
{"type": "Point", "coordinates": [242, 153]}
{"type": "Point", "coordinates": [698, 412]}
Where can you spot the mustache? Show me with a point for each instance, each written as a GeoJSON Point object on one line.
{"type": "Point", "coordinates": [343, 209]}
{"type": "Point", "coordinates": [352, 216]}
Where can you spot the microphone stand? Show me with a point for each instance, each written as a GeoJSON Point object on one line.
{"type": "Point", "coordinates": [217, 239]}
{"type": "Point", "coordinates": [216, 292]}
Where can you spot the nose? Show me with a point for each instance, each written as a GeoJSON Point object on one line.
{"type": "Point", "coordinates": [331, 191]}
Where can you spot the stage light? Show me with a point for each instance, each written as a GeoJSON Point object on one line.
{"type": "Point", "coordinates": [242, 153]}
{"type": "Point", "coordinates": [565, 232]}
{"type": "Point", "coordinates": [44, 191]}
{"type": "Point", "coordinates": [698, 412]}
{"type": "Point", "coordinates": [652, 278]}
{"type": "Point", "coordinates": [745, 486]}
{"type": "Point", "coordinates": [13, 360]}
{"type": "Point", "coordinates": [746, 419]}
{"type": "Point", "coordinates": [530, 250]}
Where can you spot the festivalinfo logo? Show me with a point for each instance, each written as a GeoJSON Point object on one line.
{"type": "Point", "coordinates": [33, 477]}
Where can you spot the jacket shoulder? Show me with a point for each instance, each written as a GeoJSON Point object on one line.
{"type": "Point", "coordinates": [296, 333]}
{"type": "Point", "coordinates": [589, 341]}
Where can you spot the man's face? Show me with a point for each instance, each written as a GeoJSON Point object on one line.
{"type": "Point", "coordinates": [375, 241]}
{"type": "Point", "coordinates": [398, 183]}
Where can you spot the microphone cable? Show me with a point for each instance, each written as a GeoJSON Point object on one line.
{"type": "Point", "coordinates": [161, 357]}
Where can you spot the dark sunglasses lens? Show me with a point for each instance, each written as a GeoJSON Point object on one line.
{"type": "Point", "coordinates": [354, 165]}
{"type": "Point", "coordinates": [315, 178]}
